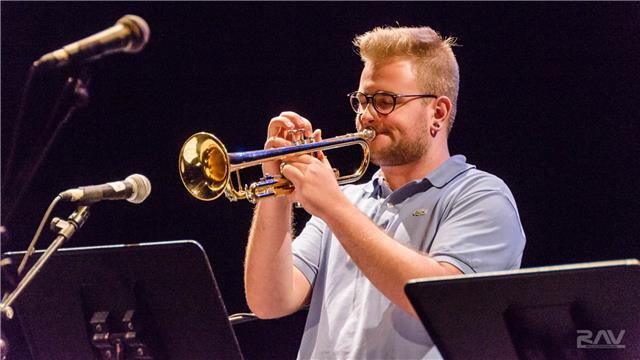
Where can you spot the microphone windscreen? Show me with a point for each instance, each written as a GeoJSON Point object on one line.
{"type": "Point", "coordinates": [141, 188]}
{"type": "Point", "coordinates": [140, 32]}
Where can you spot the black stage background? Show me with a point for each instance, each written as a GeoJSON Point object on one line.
{"type": "Point", "coordinates": [548, 101]}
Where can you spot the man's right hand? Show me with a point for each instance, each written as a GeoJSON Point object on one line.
{"type": "Point", "coordinates": [280, 134]}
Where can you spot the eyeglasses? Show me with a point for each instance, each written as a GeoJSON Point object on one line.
{"type": "Point", "coordinates": [383, 102]}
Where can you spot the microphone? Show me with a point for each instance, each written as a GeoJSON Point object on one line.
{"type": "Point", "coordinates": [130, 34]}
{"type": "Point", "coordinates": [135, 188]}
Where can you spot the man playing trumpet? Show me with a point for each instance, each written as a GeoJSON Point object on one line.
{"type": "Point", "coordinates": [425, 213]}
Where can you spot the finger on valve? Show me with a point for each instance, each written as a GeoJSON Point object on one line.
{"type": "Point", "coordinates": [299, 122]}
{"type": "Point", "coordinates": [317, 137]}
{"type": "Point", "coordinates": [278, 127]}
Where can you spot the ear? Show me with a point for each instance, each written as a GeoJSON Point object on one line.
{"type": "Point", "coordinates": [442, 110]}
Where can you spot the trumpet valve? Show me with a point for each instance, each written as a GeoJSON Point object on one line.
{"type": "Point", "coordinates": [297, 136]}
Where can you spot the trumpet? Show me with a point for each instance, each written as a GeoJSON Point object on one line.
{"type": "Point", "coordinates": [205, 166]}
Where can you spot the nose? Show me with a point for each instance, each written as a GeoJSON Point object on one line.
{"type": "Point", "coordinates": [368, 116]}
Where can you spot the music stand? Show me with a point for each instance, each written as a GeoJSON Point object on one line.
{"type": "Point", "coordinates": [161, 297]}
{"type": "Point", "coordinates": [556, 312]}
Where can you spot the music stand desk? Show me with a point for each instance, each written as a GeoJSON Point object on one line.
{"type": "Point", "coordinates": [169, 285]}
{"type": "Point", "coordinates": [555, 312]}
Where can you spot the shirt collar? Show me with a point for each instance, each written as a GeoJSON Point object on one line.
{"type": "Point", "coordinates": [438, 178]}
{"type": "Point", "coordinates": [449, 170]}
{"type": "Point", "coordinates": [373, 187]}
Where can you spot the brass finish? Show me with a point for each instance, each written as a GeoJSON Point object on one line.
{"type": "Point", "coordinates": [205, 165]}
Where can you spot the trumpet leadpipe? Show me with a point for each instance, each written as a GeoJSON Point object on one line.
{"type": "Point", "coordinates": [241, 160]}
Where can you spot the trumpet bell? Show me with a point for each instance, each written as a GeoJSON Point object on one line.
{"type": "Point", "coordinates": [204, 166]}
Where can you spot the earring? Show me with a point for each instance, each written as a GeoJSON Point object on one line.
{"type": "Point", "coordinates": [434, 129]}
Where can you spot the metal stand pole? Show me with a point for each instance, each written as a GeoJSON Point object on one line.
{"type": "Point", "coordinates": [66, 229]}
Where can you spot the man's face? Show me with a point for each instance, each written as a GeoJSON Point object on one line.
{"type": "Point", "coordinates": [402, 137]}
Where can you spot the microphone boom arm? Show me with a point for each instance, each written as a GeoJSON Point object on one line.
{"type": "Point", "coordinates": [66, 229]}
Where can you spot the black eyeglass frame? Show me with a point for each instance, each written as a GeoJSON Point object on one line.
{"type": "Point", "coordinates": [370, 99]}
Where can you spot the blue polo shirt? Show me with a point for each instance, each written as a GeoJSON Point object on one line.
{"type": "Point", "coordinates": [456, 214]}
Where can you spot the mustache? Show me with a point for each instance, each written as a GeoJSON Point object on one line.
{"type": "Point", "coordinates": [378, 129]}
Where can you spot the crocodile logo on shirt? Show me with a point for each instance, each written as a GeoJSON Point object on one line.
{"type": "Point", "coordinates": [420, 212]}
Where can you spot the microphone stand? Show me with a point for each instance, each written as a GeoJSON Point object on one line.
{"type": "Point", "coordinates": [77, 89]}
{"type": "Point", "coordinates": [66, 229]}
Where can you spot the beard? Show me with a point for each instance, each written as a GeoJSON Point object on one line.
{"type": "Point", "coordinates": [403, 151]}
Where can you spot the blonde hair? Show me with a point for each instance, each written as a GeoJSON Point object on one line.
{"type": "Point", "coordinates": [435, 65]}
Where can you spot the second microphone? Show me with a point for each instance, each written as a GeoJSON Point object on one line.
{"type": "Point", "coordinates": [135, 189]}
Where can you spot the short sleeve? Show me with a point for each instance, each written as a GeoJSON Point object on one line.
{"type": "Point", "coordinates": [481, 232]}
{"type": "Point", "coordinates": [307, 248]}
